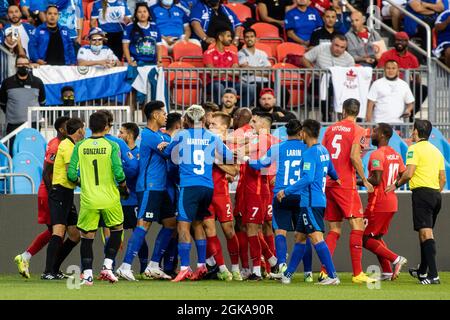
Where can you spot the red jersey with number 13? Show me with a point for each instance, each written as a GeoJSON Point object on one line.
{"type": "Point", "coordinates": [390, 162]}
{"type": "Point", "coordinates": [338, 140]}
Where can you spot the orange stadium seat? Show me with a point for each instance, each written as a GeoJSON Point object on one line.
{"type": "Point", "coordinates": [285, 48]}
{"type": "Point", "coordinates": [166, 59]}
{"type": "Point", "coordinates": [186, 85]}
{"type": "Point", "coordinates": [294, 82]}
{"type": "Point", "coordinates": [268, 34]}
{"type": "Point", "coordinates": [242, 11]}
{"type": "Point", "coordinates": [188, 52]}
{"type": "Point", "coordinates": [268, 50]}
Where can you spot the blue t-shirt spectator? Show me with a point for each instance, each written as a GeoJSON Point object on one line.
{"type": "Point", "coordinates": [4, 4]}
{"type": "Point", "coordinates": [444, 35]}
{"type": "Point", "coordinates": [187, 6]}
{"type": "Point", "coordinates": [171, 21]}
{"type": "Point", "coordinates": [343, 22]}
{"type": "Point", "coordinates": [410, 26]}
{"type": "Point", "coordinates": [113, 19]}
{"type": "Point", "coordinates": [69, 13]}
{"type": "Point", "coordinates": [303, 23]}
{"type": "Point", "coordinates": [143, 42]}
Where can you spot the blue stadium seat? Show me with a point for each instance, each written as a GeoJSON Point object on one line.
{"type": "Point", "coordinates": [26, 162]}
{"type": "Point", "coordinates": [30, 140]}
{"type": "Point", "coordinates": [3, 166]}
{"type": "Point", "coordinates": [397, 143]}
{"type": "Point", "coordinates": [438, 140]}
{"type": "Point", "coordinates": [280, 133]}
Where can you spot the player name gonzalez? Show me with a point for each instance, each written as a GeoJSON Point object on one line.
{"type": "Point", "coordinates": [224, 309]}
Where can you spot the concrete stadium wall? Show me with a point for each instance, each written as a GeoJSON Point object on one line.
{"type": "Point", "coordinates": [18, 226]}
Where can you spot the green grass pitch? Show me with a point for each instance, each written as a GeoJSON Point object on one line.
{"type": "Point", "coordinates": [15, 287]}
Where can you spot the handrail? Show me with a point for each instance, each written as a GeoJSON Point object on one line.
{"type": "Point", "coordinates": [33, 188]}
{"type": "Point", "coordinates": [13, 133]}
{"type": "Point", "coordinates": [10, 165]}
{"type": "Point", "coordinates": [409, 14]}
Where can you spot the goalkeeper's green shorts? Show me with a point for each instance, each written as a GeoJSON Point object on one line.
{"type": "Point", "coordinates": [88, 218]}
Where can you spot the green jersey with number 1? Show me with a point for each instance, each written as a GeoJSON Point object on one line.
{"type": "Point", "coordinates": [100, 171]}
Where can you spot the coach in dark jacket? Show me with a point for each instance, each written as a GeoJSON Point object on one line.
{"type": "Point", "coordinates": [267, 103]}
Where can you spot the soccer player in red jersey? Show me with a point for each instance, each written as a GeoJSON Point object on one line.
{"type": "Point", "coordinates": [385, 166]}
{"type": "Point", "coordinates": [221, 209]}
{"type": "Point", "coordinates": [344, 141]}
{"type": "Point", "coordinates": [41, 240]}
{"type": "Point", "coordinates": [256, 193]}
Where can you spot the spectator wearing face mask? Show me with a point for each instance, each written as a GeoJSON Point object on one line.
{"type": "Point", "coordinates": [96, 53]}
{"type": "Point", "coordinates": [68, 96]}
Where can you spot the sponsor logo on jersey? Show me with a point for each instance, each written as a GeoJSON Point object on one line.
{"type": "Point", "coordinates": [409, 155]}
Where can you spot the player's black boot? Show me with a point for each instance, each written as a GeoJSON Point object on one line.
{"type": "Point", "coordinates": [48, 276]}
{"type": "Point", "coordinates": [254, 277]}
{"type": "Point", "coordinates": [212, 272]}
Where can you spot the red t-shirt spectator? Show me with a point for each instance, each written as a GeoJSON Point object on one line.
{"type": "Point", "coordinates": [321, 5]}
{"type": "Point", "coordinates": [407, 61]}
{"type": "Point", "coordinates": [225, 59]}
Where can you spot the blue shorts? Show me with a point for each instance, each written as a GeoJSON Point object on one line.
{"type": "Point", "coordinates": [193, 203]}
{"type": "Point", "coordinates": [155, 206]}
{"type": "Point", "coordinates": [310, 220]}
{"type": "Point", "coordinates": [286, 212]}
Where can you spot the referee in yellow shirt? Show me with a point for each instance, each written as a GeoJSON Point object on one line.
{"type": "Point", "coordinates": [425, 171]}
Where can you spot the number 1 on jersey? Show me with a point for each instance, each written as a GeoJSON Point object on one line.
{"type": "Point", "coordinates": [95, 164]}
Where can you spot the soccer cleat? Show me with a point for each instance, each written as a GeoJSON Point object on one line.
{"type": "Point", "coordinates": [108, 275]}
{"type": "Point", "coordinates": [48, 276]}
{"type": "Point", "coordinates": [281, 268]}
{"type": "Point", "coordinates": [254, 277]}
{"type": "Point", "coordinates": [171, 273]}
{"type": "Point", "coordinates": [308, 277]}
{"type": "Point", "coordinates": [61, 276]}
{"type": "Point", "coordinates": [414, 272]}
{"type": "Point", "coordinates": [285, 279]}
{"type": "Point", "coordinates": [125, 274]}
{"type": "Point", "coordinates": [236, 276]}
{"type": "Point", "coordinates": [398, 266]}
{"type": "Point", "coordinates": [322, 276]}
{"type": "Point", "coordinates": [225, 276]}
{"type": "Point", "coordinates": [22, 265]}
{"type": "Point", "coordinates": [385, 277]}
{"type": "Point", "coordinates": [199, 273]}
{"type": "Point", "coordinates": [428, 281]}
{"type": "Point", "coordinates": [156, 273]}
{"type": "Point", "coordinates": [183, 275]}
{"type": "Point", "coordinates": [212, 273]}
{"type": "Point", "coordinates": [329, 282]}
{"type": "Point", "coordinates": [362, 278]}
{"type": "Point", "coordinates": [87, 282]}
{"type": "Point", "coordinates": [245, 273]}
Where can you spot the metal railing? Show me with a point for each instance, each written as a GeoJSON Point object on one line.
{"type": "Point", "coordinates": [9, 168]}
{"type": "Point", "coordinates": [12, 175]}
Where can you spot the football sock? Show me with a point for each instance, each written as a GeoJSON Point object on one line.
{"type": "Point", "coordinates": [331, 240]}
{"type": "Point", "coordinates": [219, 254]}
{"type": "Point", "coordinates": [87, 254]}
{"type": "Point", "coordinates": [26, 256]}
{"type": "Point", "coordinates": [255, 250]}
{"type": "Point", "coordinates": [243, 248]}
{"type": "Point", "coordinates": [143, 257]}
{"type": "Point", "coordinates": [53, 248]}
{"type": "Point", "coordinates": [134, 244]}
{"type": "Point", "coordinates": [211, 249]}
{"type": "Point", "coordinates": [430, 256]}
{"type": "Point", "coordinates": [257, 270]}
{"type": "Point", "coordinates": [114, 244]}
{"type": "Point", "coordinates": [307, 257]}
{"type": "Point", "coordinates": [65, 250]}
{"type": "Point", "coordinates": [375, 246]}
{"type": "Point", "coordinates": [161, 243]}
{"type": "Point", "coordinates": [211, 261]}
{"type": "Point", "coordinates": [296, 257]}
{"type": "Point", "coordinates": [235, 268]}
{"type": "Point", "coordinates": [184, 249]}
{"type": "Point", "coordinates": [356, 237]}
{"type": "Point", "coordinates": [267, 253]}
{"type": "Point", "coordinates": [171, 254]}
{"type": "Point", "coordinates": [281, 248]}
{"type": "Point", "coordinates": [201, 250]}
{"type": "Point", "coordinates": [325, 258]}
{"type": "Point", "coordinates": [423, 267]}
{"type": "Point", "coordinates": [233, 249]}
{"type": "Point", "coordinates": [39, 242]}
{"type": "Point", "coordinates": [384, 263]}
{"type": "Point", "coordinates": [270, 240]}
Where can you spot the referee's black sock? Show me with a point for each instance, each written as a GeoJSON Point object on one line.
{"type": "Point", "coordinates": [113, 245]}
{"type": "Point", "coordinates": [53, 248]}
{"type": "Point", "coordinates": [66, 248]}
{"type": "Point", "coordinates": [430, 254]}
{"type": "Point", "coordinates": [423, 267]}
{"type": "Point", "coordinates": [87, 254]}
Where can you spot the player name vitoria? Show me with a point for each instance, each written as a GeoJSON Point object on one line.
{"type": "Point", "coordinates": [202, 142]}
{"type": "Point", "coordinates": [89, 151]}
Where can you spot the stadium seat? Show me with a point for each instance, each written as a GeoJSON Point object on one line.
{"type": "Point", "coordinates": [398, 145]}
{"type": "Point", "coordinates": [268, 34]}
{"type": "Point", "coordinates": [188, 52]}
{"type": "Point", "coordinates": [26, 162]}
{"type": "Point", "coordinates": [285, 48]}
{"type": "Point", "coordinates": [293, 81]}
{"type": "Point", "coordinates": [242, 11]}
{"type": "Point", "coordinates": [3, 166]}
{"type": "Point", "coordinates": [32, 141]}
{"type": "Point", "coordinates": [280, 133]}
{"type": "Point", "coordinates": [186, 84]}
{"type": "Point", "coordinates": [166, 59]}
{"type": "Point", "coordinates": [267, 49]}
{"type": "Point", "coordinates": [439, 141]}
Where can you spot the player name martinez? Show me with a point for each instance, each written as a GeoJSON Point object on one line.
{"type": "Point", "coordinates": [92, 151]}
{"type": "Point", "coordinates": [341, 128]}
{"type": "Point", "coordinates": [202, 142]}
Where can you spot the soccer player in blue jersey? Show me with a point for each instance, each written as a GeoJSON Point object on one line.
{"type": "Point", "coordinates": [315, 166]}
{"type": "Point", "coordinates": [287, 155]}
{"type": "Point", "coordinates": [194, 150]}
{"type": "Point", "coordinates": [154, 201]}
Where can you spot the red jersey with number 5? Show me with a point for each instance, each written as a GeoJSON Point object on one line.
{"type": "Point", "coordinates": [339, 139]}
{"type": "Point", "coordinates": [390, 162]}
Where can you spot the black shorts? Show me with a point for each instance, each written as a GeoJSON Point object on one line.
{"type": "Point", "coordinates": [62, 209]}
{"type": "Point", "coordinates": [155, 206]}
{"type": "Point", "coordinates": [426, 205]}
{"type": "Point", "coordinates": [194, 203]}
{"type": "Point", "coordinates": [310, 220]}
{"type": "Point", "coordinates": [129, 218]}
{"type": "Point", "coordinates": [286, 212]}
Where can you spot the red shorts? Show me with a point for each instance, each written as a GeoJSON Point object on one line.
{"type": "Point", "coordinates": [268, 216]}
{"type": "Point", "coordinates": [342, 203]}
{"type": "Point", "coordinates": [255, 209]}
{"type": "Point", "coordinates": [221, 208]}
{"type": "Point", "coordinates": [238, 200]}
{"type": "Point", "coordinates": [43, 209]}
{"type": "Point", "coordinates": [377, 223]}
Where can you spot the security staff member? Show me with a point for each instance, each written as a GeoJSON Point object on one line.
{"type": "Point", "coordinates": [425, 172]}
